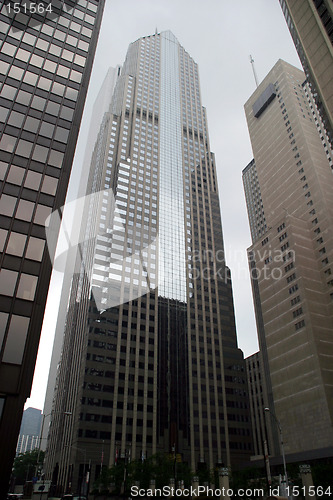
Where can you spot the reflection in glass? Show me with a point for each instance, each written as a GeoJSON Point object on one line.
{"type": "Point", "coordinates": [15, 175]}
{"type": "Point", "coordinates": [16, 338]}
{"type": "Point", "coordinates": [16, 244]}
{"type": "Point", "coordinates": [27, 287]}
{"type": "Point", "coordinates": [42, 214]}
{"type": "Point", "coordinates": [172, 266]}
{"type": "Point", "coordinates": [7, 205]}
{"type": "Point", "coordinates": [8, 282]}
{"type": "Point", "coordinates": [24, 210]}
{"type": "Point", "coordinates": [35, 249]}
{"type": "Point", "coordinates": [32, 180]}
{"type": "Point", "coordinates": [24, 148]}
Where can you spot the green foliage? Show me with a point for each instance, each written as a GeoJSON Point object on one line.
{"type": "Point", "coordinates": [160, 467]}
{"type": "Point", "coordinates": [25, 465]}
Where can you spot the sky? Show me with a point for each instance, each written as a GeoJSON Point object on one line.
{"type": "Point", "coordinates": [220, 36]}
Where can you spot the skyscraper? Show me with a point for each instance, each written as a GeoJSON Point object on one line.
{"type": "Point", "coordinates": [262, 428]}
{"type": "Point", "coordinates": [310, 23]}
{"type": "Point", "coordinates": [29, 431]}
{"type": "Point", "coordinates": [150, 361]}
{"type": "Point", "coordinates": [46, 59]}
{"type": "Point", "coordinates": [292, 260]}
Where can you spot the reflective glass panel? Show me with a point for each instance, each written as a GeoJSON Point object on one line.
{"type": "Point", "coordinates": [16, 244]}
{"type": "Point", "coordinates": [16, 338]}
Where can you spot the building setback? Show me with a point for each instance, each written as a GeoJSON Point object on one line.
{"type": "Point", "coordinates": [46, 61]}
{"type": "Point", "coordinates": [292, 260]}
{"type": "Point", "coordinates": [153, 365]}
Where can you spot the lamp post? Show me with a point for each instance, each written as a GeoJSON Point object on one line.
{"type": "Point", "coordinates": [68, 413]}
{"type": "Point", "coordinates": [282, 447]}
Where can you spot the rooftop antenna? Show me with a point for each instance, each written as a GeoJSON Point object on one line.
{"type": "Point", "coordinates": [254, 71]}
{"type": "Point", "coordinates": [156, 30]}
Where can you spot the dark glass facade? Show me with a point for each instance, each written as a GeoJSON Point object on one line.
{"type": "Point", "coordinates": [45, 65]}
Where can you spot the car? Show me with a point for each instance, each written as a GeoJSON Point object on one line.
{"type": "Point", "coordinates": [70, 496]}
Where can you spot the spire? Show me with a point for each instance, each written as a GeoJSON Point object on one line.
{"type": "Point", "coordinates": [254, 71]}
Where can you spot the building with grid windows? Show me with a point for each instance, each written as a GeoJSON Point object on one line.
{"type": "Point", "coordinates": [291, 263]}
{"type": "Point", "coordinates": [29, 431]}
{"type": "Point", "coordinates": [310, 23]}
{"type": "Point", "coordinates": [153, 365]}
{"type": "Point", "coordinates": [45, 61]}
{"type": "Point", "coordinates": [256, 214]}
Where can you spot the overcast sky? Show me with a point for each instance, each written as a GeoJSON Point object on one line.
{"type": "Point", "coordinates": [219, 35]}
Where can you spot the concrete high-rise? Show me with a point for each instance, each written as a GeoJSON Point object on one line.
{"type": "Point", "coordinates": [150, 361]}
{"type": "Point", "coordinates": [262, 428]}
{"type": "Point", "coordinates": [46, 59]}
{"type": "Point", "coordinates": [310, 23]}
{"type": "Point", "coordinates": [292, 260]}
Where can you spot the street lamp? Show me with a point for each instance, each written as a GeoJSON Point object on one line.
{"type": "Point", "coordinates": [281, 443]}
{"type": "Point", "coordinates": [68, 413]}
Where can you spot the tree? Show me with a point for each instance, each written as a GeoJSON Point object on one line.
{"type": "Point", "coordinates": [25, 465]}
{"type": "Point", "coordinates": [160, 467]}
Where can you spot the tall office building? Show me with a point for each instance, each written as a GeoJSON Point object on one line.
{"type": "Point", "coordinates": [292, 260]}
{"type": "Point", "coordinates": [46, 60]}
{"type": "Point", "coordinates": [310, 23]}
{"type": "Point", "coordinates": [263, 430]}
{"type": "Point", "coordinates": [101, 105]}
{"type": "Point", "coordinates": [29, 431]}
{"type": "Point", "coordinates": [150, 361]}
{"type": "Point", "coordinates": [256, 213]}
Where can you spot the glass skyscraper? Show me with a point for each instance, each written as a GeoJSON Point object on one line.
{"type": "Point", "coordinates": [46, 55]}
{"type": "Point", "coordinates": [150, 361]}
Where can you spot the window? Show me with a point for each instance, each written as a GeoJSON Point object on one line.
{"type": "Point", "coordinates": [299, 325]}
{"type": "Point", "coordinates": [42, 214]}
{"type": "Point", "coordinates": [56, 158]}
{"type": "Point", "coordinates": [40, 153]}
{"type": "Point", "coordinates": [16, 119]}
{"type": "Point", "coordinates": [297, 312]}
{"type": "Point", "coordinates": [290, 278]}
{"type": "Point", "coordinates": [16, 338]}
{"type": "Point", "coordinates": [8, 282]}
{"type": "Point", "coordinates": [24, 148]}
{"type": "Point", "coordinates": [7, 143]}
{"type": "Point", "coordinates": [32, 180]}
{"type": "Point", "coordinates": [7, 205]}
{"type": "Point", "coordinates": [15, 175]}
{"type": "Point", "coordinates": [49, 185]}
{"type": "Point", "coordinates": [16, 244]}
{"type": "Point", "coordinates": [24, 210]}
{"type": "Point", "coordinates": [27, 287]}
{"type": "Point", "coordinates": [288, 267]}
{"type": "Point", "coordinates": [295, 300]}
{"type": "Point", "coordinates": [35, 249]}
{"type": "Point", "coordinates": [293, 289]}
{"type": "Point", "coordinates": [31, 124]}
